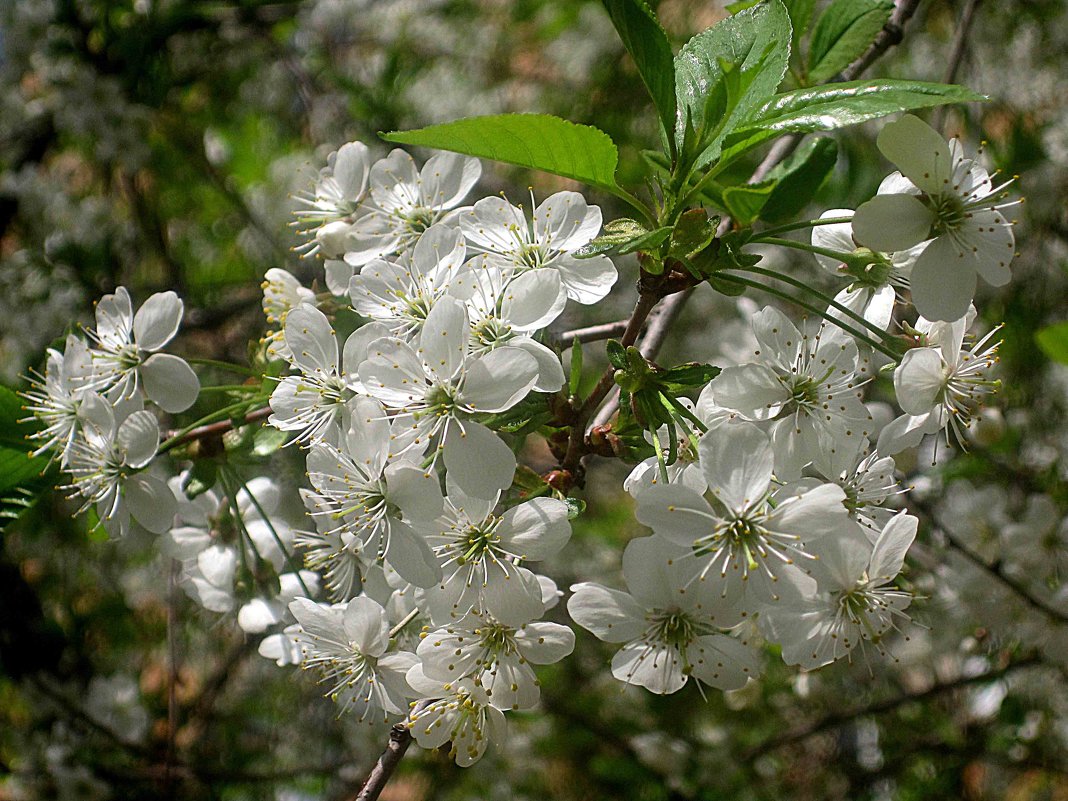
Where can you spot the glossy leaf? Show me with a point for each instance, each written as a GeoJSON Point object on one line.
{"type": "Point", "coordinates": [843, 32]}
{"type": "Point", "coordinates": [648, 45]}
{"type": "Point", "coordinates": [757, 39]}
{"type": "Point", "coordinates": [538, 141]}
{"type": "Point", "coordinates": [799, 177]}
{"type": "Point", "coordinates": [839, 105]}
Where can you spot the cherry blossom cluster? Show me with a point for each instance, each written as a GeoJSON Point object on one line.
{"type": "Point", "coordinates": [773, 496]}
{"type": "Point", "coordinates": [91, 406]}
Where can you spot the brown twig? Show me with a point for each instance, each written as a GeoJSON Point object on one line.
{"type": "Point", "coordinates": [213, 429]}
{"type": "Point", "coordinates": [400, 737]}
{"type": "Point", "coordinates": [960, 44]}
{"type": "Point", "coordinates": [591, 333]}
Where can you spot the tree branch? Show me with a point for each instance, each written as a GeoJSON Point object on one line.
{"type": "Point", "coordinates": [214, 429]}
{"type": "Point", "coordinates": [400, 737]}
{"type": "Point", "coordinates": [837, 719]}
{"type": "Point", "coordinates": [960, 43]}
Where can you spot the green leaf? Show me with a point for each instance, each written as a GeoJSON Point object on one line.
{"type": "Point", "coordinates": [687, 376]}
{"type": "Point", "coordinates": [538, 141]}
{"type": "Point", "coordinates": [757, 37]}
{"type": "Point", "coordinates": [648, 45]}
{"type": "Point", "coordinates": [617, 354]}
{"type": "Point", "coordinates": [267, 439]}
{"type": "Point", "coordinates": [745, 201]}
{"type": "Point", "coordinates": [827, 108]}
{"type": "Point", "coordinates": [574, 378]}
{"type": "Point", "coordinates": [200, 478]}
{"type": "Point", "coordinates": [23, 478]}
{"type": "Point", "coordinates": [799, 177]}
{"type": "Point", "coordinates": [1053, 339]}
{"type": "Point", "coordinates": [693, 233]}
{"type": "Point", "coordinates": [800, 16]}
{"type": "Point", "coordinates": [621, 237]}
{"type": "Point", "coordinates": [842, 33]}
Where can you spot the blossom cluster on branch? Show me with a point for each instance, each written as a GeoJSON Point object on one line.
{"type": "Point", "coordinates": [770, 497]}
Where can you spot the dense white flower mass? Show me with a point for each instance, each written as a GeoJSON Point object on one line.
{"type": "Point", "coordinates": [411, 585]}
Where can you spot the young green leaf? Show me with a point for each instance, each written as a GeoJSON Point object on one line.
{"type": "Point", "coordinates": [842, 33]}
{"type": "Point", "coordinates": [826, 108]}
{"type": "Point", "coordinates": [744, 202]}
{"type": "Point", "coordinates": [757, 37]}
{"type": "Point", "coordinates": [538, 141]}
{"type": "Point", "coordinates": [648, 45]}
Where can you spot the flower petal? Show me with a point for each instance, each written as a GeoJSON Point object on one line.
{"type": "Point", "coordinates": [888, 223]}
{"type": "Point", "coordinates": [157, 321]}
{"type": "Point", "coordinates": [170, 382]}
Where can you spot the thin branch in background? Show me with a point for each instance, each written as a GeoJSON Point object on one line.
{"type": "Point", "coordinates": [960, 45]}
{"type": "Point", "coordinates": [836, 719]}
{"type": "Point", "coordinates": [591, 333]}
{"type": "Point", "coordinates": [995, 570]}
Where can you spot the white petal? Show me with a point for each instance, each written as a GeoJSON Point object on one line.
{"type": "Point", "coordinates": [565, 221]}
{"type": "Point", "coordinates": [478, 460]}
{"type": "Point", "coordinates": [836, 236]}
{"type": "Point", "coordinates": [654, 570]}
{"type": "Point", "coordinates": [218, 565]}
{"type": "Point", "coordinates": [366, 626]}
{"type": "Point", "coordinates": [157, 321]}
{"type": "Point", "coordinates": [543, 643]}
{"type": "Point", "coordinates": [657, 669]}
{"type": "Point", "coordinates": [414, 491]}
{"type": "Point", "coordinates": [536, 529]}
{"type": "Point", "coordinates": [170, 382]}
{"type": "Point", "coordinates": [610, 615]}
{"type": "Point", "coordinates": [919, 151]}
{"type": "Point", "coordinates": [447, 178]}
{"type": "Point", "coordinates": [676, 513]}
{"type": "Point", "coordinates": [493, 224]}
{"type": "Point", "coordinates": [586, 281]}
{"type": "Point", "coordinates": [393, 373]}
{"type": "Point", "coordinates": [888, 223]}
{"type": "Point", "coordinates": [751, 390]}
{"type": "Point", "coordinates": [442, 342]}
{"type": "Point", "coordinates": [151, 502]}
{"type": "Point", "coordinates": [722, 662]}
{"type": "Point", "coordinates": [351, 165]}
{"type": "Point", "coordinates": [533, 300]}
{"type": "Point", "coordinates": [311, 340]}
{"type": "Point", "coordinates": [919, 380]}
{"type": "Point", "coordinates": [737, 461]}
{"type": "Point", "coordinates": [138, 439]}
{"type": "Point", "coordinates": [259, 614]}
{"type": "Point", "coordinates": [498, 380]}
{"type": "Point", "coordinates": [409, 554]}
{"type": "Point", "coordinates": [943, 281]}
{"type": "Point", "coordinates": [550, 372]}
{"type": "Point", "coordinates": [891, 546]}
{"type": "Point", "coordinates": [511, 594]}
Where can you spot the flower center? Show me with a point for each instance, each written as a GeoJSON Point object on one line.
{"type": "Point", "coordinates": [672, 627]}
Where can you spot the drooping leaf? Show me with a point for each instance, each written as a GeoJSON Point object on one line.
{"type": "Point", "coordinates": [844, 31]}
{"type": "Point", "coordinates": [1053, 339]}
{"type": "Point", "coordinates": [839, 105]}
{"type": "Point", "coordinates": [538, 141]}
{"type": "Point", "coordinates": [648, 45]}
{"type": "Point", "coordinates": [798, 178]}
{"type": "Point", "coordinates": [756, 40]}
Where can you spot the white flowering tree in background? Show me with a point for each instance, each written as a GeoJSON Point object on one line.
{"type": "Point", "coordinates": [445, 418]}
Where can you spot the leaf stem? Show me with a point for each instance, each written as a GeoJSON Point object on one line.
{"type": "Point", "coordinates": [816, 310]}
{"type": "Point", "coordinates": [797, 226]}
